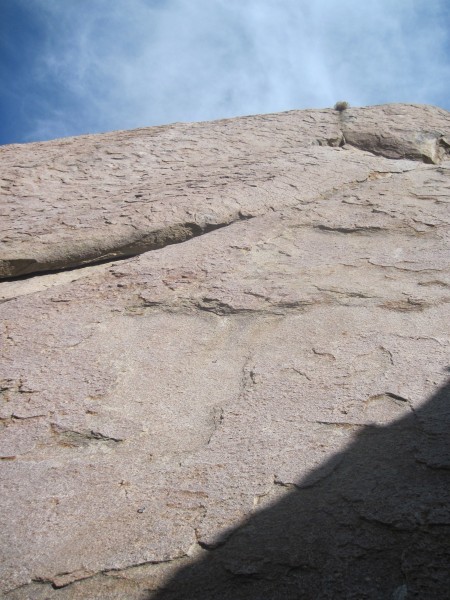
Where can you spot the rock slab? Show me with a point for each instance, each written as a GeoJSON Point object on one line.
{"type": "Point", "coordinates": [254, 401]}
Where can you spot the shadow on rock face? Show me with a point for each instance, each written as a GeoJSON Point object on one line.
{"type": "Point", "coordinates": [378, 527]}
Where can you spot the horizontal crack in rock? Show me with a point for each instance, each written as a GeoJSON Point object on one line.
{"type": "Point", "coordinates": [68, 437]}
{"type": "Point", "coordinates": [349, 229]}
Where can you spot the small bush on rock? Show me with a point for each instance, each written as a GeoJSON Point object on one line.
{"type": "Point", "coordinates": [341, 106]}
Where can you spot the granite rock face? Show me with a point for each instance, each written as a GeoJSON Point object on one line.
{"type": "Point", "coordinates": [256, 404]}
{"type": "Point", "coordinates": [93, 198]}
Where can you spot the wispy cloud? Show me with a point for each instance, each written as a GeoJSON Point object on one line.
{"type": "Point", "coordinates": [128, 63]}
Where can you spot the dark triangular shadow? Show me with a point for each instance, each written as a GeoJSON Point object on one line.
{"type": "Point", "coordinates": [378, 527]}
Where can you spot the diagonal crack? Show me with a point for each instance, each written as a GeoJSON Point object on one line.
{"type": "Point", "coordinates": [142, 241]}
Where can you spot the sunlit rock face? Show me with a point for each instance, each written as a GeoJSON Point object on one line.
{"type": "Point", "coordinates": [225, 360]}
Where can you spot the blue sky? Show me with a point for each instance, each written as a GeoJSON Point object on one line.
{"type": "Point", "coordinates": [70, 67]}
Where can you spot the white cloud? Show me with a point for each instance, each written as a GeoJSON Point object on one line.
{"type": "Point", "coordinates": [132, 63]}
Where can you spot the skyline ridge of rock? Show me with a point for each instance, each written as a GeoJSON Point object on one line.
{"type": "Point", "coordinates": [130, 226]}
